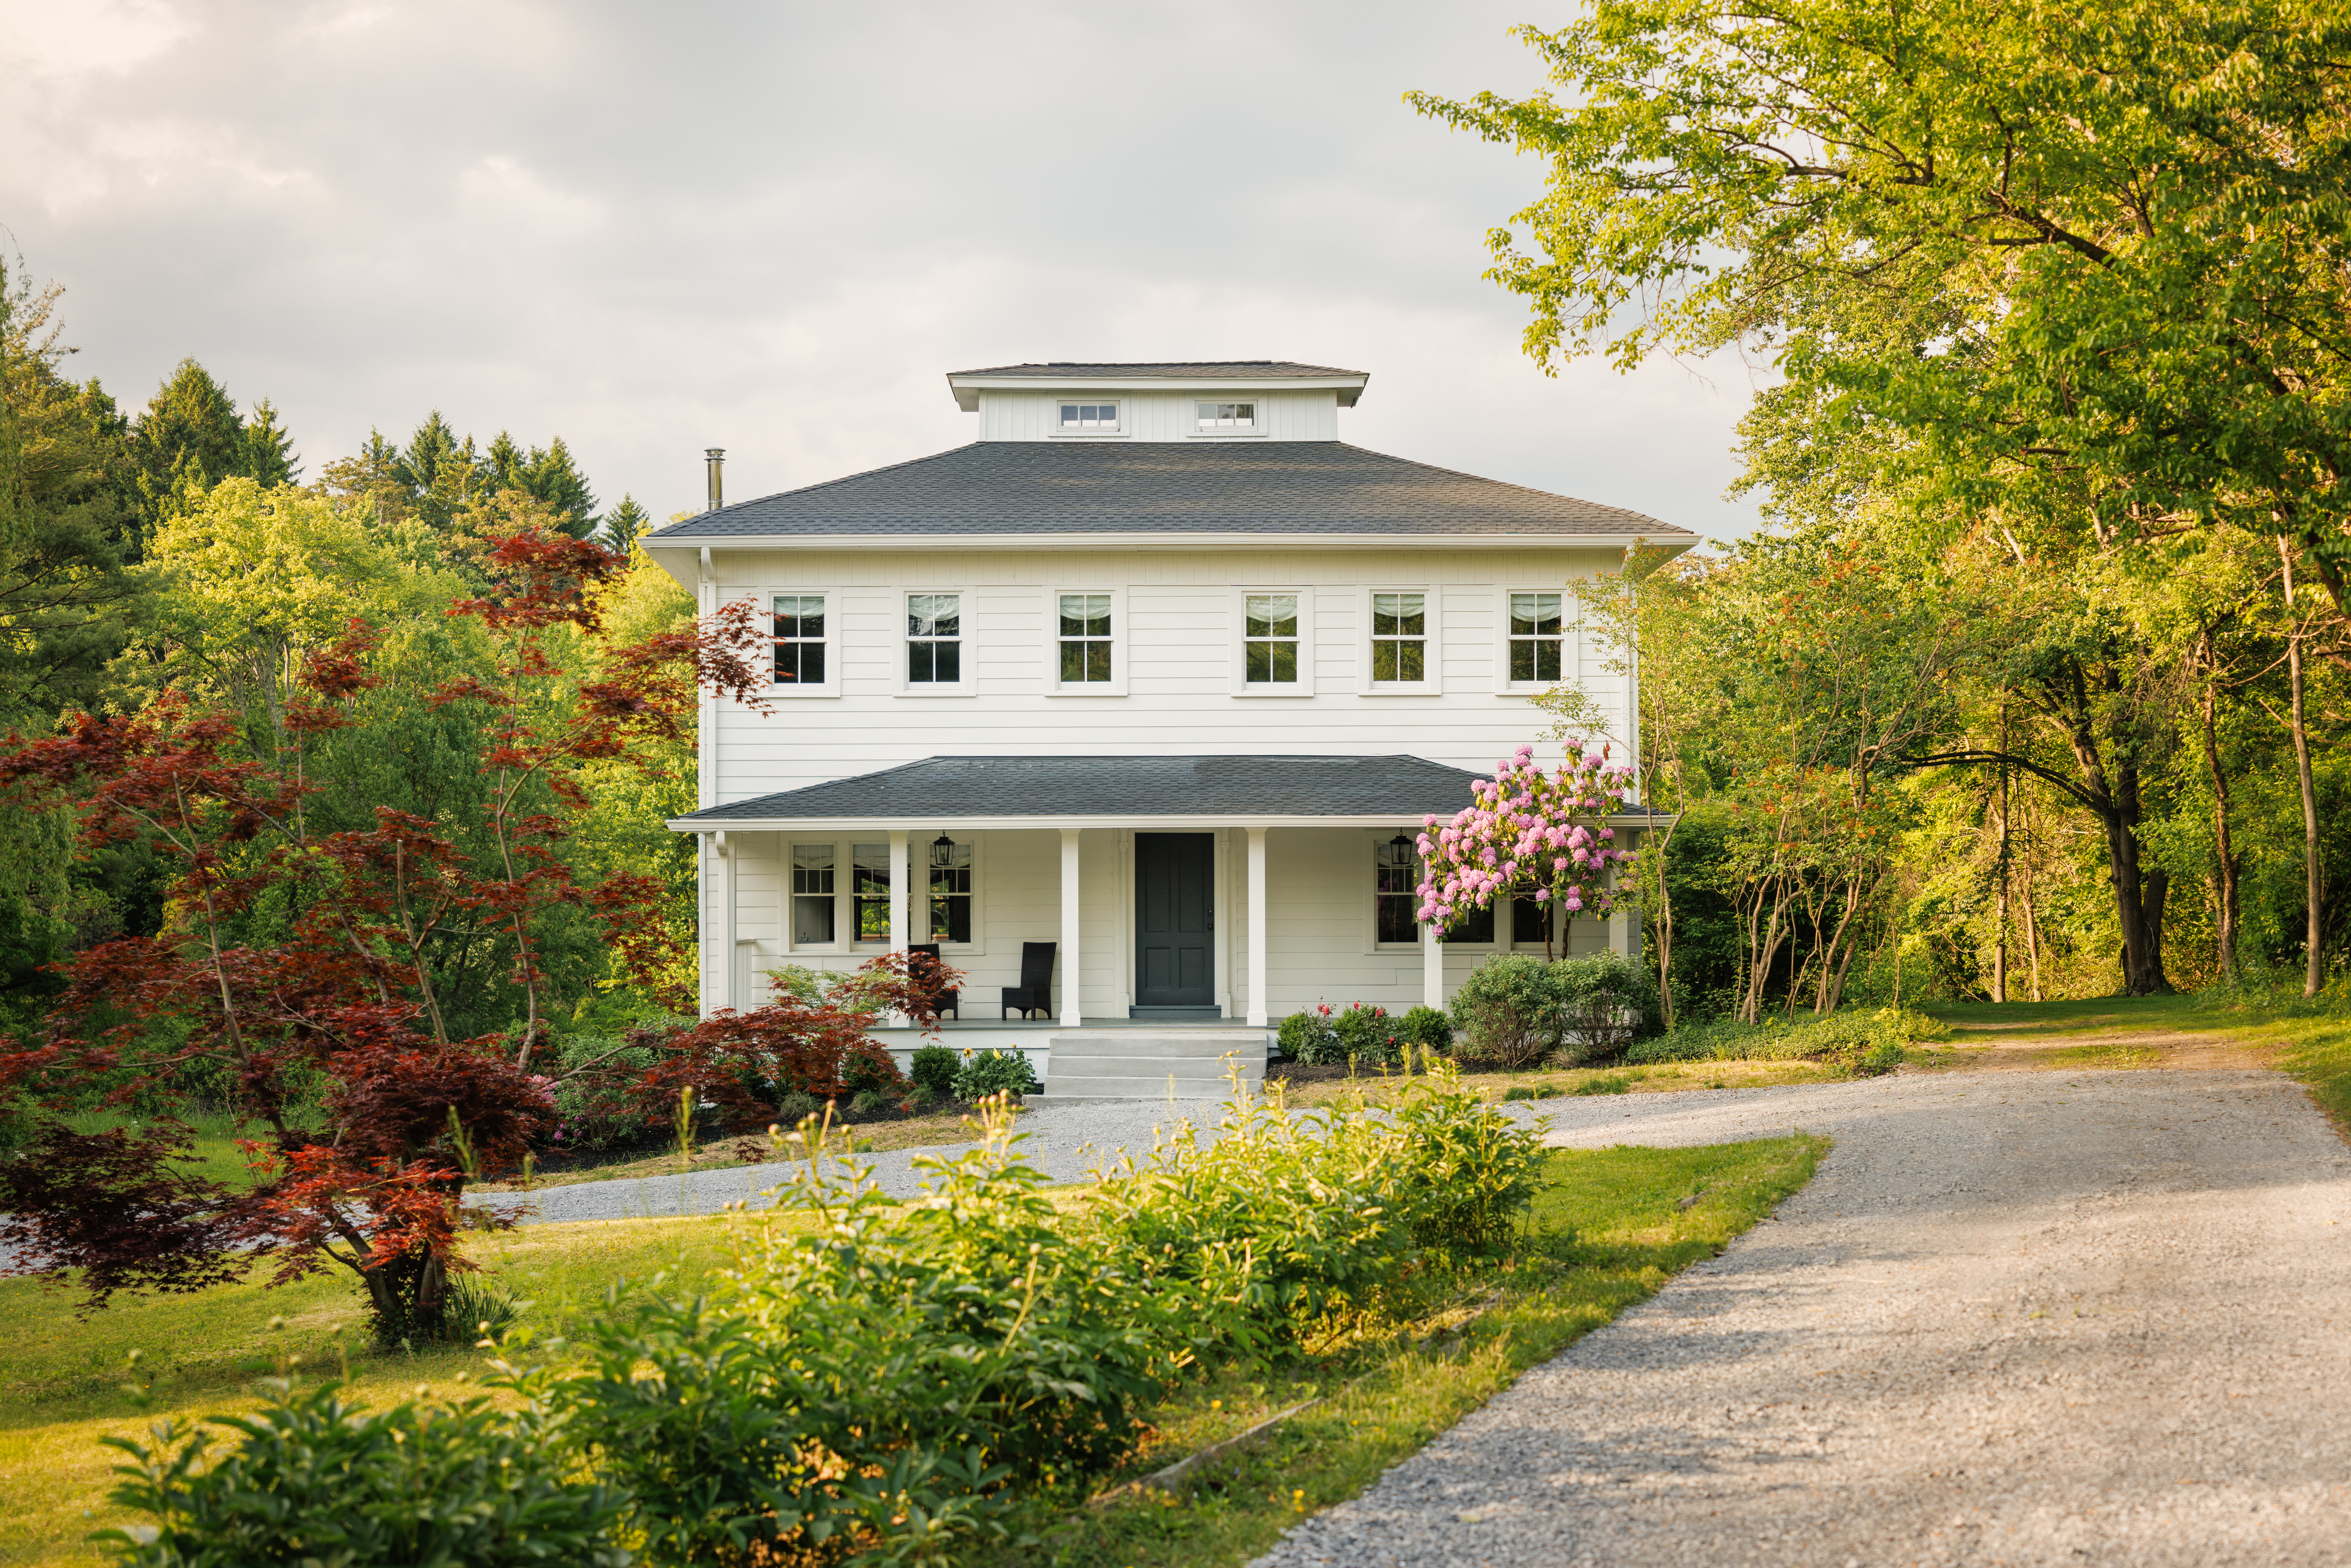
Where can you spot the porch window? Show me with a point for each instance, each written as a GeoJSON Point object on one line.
{"type": "Point", "coordinates": [1535, 636]}
{"type": "Point", "coordinates": [870, 890]}
{"type": "Point", "coordinates": [934, 638]}
{"type": "Point", "coordinates": [1227, 418]}
{"type": "Point", "coordinates": [812, 901]}
{"type": "Point", "coordinates": [1085, 638]}
{"type": "Point", "coordinates": [1270, 639]}
{"type": "Point", "coordinates": [1471, 925]}
{"type": "Point", "coordinates": [1396, 866]}
{"type": "Point", "coordinates": [1529, 922]}
{"type": "Point", "coordinates": [800, 639]}
{"type": "Point", "coordinates": [1399, 638]}
{"type": "Point", "coordinates": [950, 891]}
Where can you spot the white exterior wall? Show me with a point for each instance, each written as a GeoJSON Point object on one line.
{"type": "Point", "coordinates": [1178, 648]}
{"type": "Point", "coordinates": [1310, 415]}
{"type": "Point", "coordinates": [1319, 902]}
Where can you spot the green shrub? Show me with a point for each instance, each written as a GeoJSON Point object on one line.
{"type": "Point", "coordinates": [1429, 1030]}
{"type": "Point", "coordinates": [1606, 1000]}
{"type": "Point", "coordinates": [1852, 1040]}
{"type": "Point", "coordinates": [986, 1072]}
{"type": "Point", "coordinates": [1508, 1011]}
{"type": "Point", "coordinates": [1368, 1037]}
{"type": "Point", "coordinates": [1308, 1037]}
{"type": "Point", "coordinates": [934, 1068]}
{"type": "Point", "coordinates": [871, 1103]}
{"type": "Point", "coordinates": [313, 1480]}
{"type": "Point", "coordinates": [795, 1107]}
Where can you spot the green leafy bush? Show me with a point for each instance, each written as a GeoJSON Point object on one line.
{"type": "Point", "coordinates": [986, 1072]}
{"type": "Point", "coordinates": [311, 1479]}
{"type": "Point", "coordinates": [1508, 1011]}
{"type": "Point", "coordinates": [934, 1068]}
{"type": "Point", "coordinates": [1606, 1000]}
{"type": "Point", "coordinates": [1855, 1039]}
{"type": "Point", "coordinates": [1429, 1030]}
{"type": "Point", "coordinates": [1368, 1037]}
{"type": "Point", "coordinates": [1308, 1037]}
{"type": "Point", "coordinates": [795, 1107]}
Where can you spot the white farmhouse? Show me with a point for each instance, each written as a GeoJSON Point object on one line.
{"type": "Point", "coordinates": [1158, 671]}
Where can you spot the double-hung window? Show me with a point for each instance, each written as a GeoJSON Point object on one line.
{"type": "Point", "coordinates": [933, 639]}
{"type": "Point", "coordinates": [1399, 638]}
{"type": "Point", "coordinates": [1088, 418]}
{"type": "Point", "coordinates": [1225, 418]}
{"type": "Point", "coordinates": [812, 895]}
{"type": "Point", "coordinates": [1395, 868]}
{"type": "Point", "coordinates": [1270, 639]}
{"type": "Point", "coordinates": [950, 891]}
{"type": "Point", "coordinates": [870, 890]}
{"type": "Point", "coordinates": [1085, 638]}
{"type": "Point", "coordinates": [799, 640]}
{"type": "Point", "coordinates": [1536, 637]}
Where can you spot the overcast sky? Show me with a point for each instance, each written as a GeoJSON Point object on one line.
{"type": "Point", "coordinates": [773, 228]}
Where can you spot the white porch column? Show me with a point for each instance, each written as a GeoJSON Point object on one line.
{"type": "Point", "coordinates": [727, 984]}
{"type": "Point", "coordinates": [1257, 927]}
{"type": "Point", "coordinates": [1432, 968]}
{"type": "Point", "coordinates": [901, 926]}
{"type": "Point", "coordinates": [1072, 931]}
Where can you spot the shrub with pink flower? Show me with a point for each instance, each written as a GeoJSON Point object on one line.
{"type": "Point", "coordinates": [1530, 833]}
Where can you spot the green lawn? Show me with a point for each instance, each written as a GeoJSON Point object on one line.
{"type": "Point", "coordinates": [1606, 1232]}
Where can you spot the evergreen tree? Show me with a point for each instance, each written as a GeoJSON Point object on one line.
{"type": "Point", "coordinates": [271, 459]}
{"type": "Point", "coordinates": [625, 525]}
{"type": "Point", "coordinates": [188, 439]}
{"type": "Point", "coordinates": [439, 472]}
{"type": "Point", "coordinates": [556, 480]}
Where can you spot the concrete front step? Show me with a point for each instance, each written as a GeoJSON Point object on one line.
{"type": "Point", "coordinates": [1140, 1044]}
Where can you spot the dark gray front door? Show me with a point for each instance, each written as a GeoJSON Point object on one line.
{"type": "Point", "coordinates": [1174, 919]}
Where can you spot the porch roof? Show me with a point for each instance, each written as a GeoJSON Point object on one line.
{"type": "Point", "coordinates": [1113, 791]}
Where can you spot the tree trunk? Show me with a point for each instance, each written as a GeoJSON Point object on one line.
{"type": "Point", "coordinates": [2225, 875]}
{"type": "Point", "coordinates": [2314, 946]}
{"type": "Point", "coordinates": [2033, 939]}
{"type": "Point", "coordinates": [2000, 936]}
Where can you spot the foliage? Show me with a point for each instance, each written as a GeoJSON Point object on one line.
{"type": "Point", "coordinates": [1528, 834]}
{"type": "Point", "coordinates": [1308, 1036]}
{"type": "Point", "coordinates": [1429, 1030]}
{"type": "Point", "coordinates": [1367, 1036]}
{"type": "Point", "coordinates": [933, 1068]}
{"type": "Point", "coordinates": [985, 1073]}
{"type": "Point", "coordinates": [312, 1479]}
{"type": "Point", "coordinates": [1606, 1000]}
{"type": "Point", "coordinates": [1508, 1011]}
{"type": "Point", "coordinates": [1863, 1041]}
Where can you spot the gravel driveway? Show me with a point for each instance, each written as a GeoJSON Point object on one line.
{"type": "Point", "coordinates": [2017, 1319]}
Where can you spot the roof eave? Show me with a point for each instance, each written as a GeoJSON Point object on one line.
{"type": "Point", "coordinates": [1139, 822]}
{"type": "Point", "coordinates": [968, 388]}
{"type": "Point", "coordinates": [689, 546]}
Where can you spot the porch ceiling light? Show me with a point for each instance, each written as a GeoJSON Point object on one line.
{"type": "Point", "coordinates": [942, 849]}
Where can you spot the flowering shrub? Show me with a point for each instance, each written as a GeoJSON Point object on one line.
{"type": "Point", "coordinates": [986, 1072]}
{"type": "Point", "coordinates": [1308, 1037]}
{"type": "Point", "coordinates": [1527, 833]}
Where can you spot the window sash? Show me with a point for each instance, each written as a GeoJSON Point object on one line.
{"type": "Point", "coordinates": [1089, 416]}
{"type": "Point", "coordinates": [814, 912]}
{"type": "Point", "coordinates": [869, 882]}
{"type": "Point", "coordinates": [1399, 638]}
{"type": "Point", "coordinates": [1270, 639]}
{"type": "Point", "coordinates": [950, 895]}
{"type": "Point", "coordinates": [1537, 637]}
{"type": "Point", "coordinates": [799, 636]}
{"type": "Point", "coordinates": [1395, 879]}
{"type": "Point", "coordinates": [934, 638]}
{"type": "Point", "coordinates": [1225, 415]}
{"type": "Point", "coordinates": [1086, 636]}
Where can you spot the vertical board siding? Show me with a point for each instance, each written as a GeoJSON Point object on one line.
{"type": "Point", "coordinates": [1294, 414]}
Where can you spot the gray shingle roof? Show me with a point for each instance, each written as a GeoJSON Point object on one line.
{"type": "Point", "coordinates": [1302, 487]}
{"type": "Point", "coordinates": [940, 788]}
{"type": "Point", "coordinates": [1186, 370]}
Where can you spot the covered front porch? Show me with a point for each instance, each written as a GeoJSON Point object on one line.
{"type": "Point", "coordinates": [1177, 893]}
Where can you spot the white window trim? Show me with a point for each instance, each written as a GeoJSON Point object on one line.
{"type": "Point", "coordinates": [967, 662]}
{"type": "Point", "coordinates": [1570, 646]}
{"type": "Point", "coordinates": [1119, 644]}
{"type": "Point", "coordinates": [1055, 431]}
{"type": "Point", "coordinates": [1432, 654]}
{"type": "Point", "coordinates": [1368, 879]}
{"type": "Point", "coordinates": [919, 896]}
{"type": "Point", "coordinates": [1192, 414]}
{"type": "Point", "coordinates": [842, 911]}
{"type": "Point", "coordinates": [830, 685]}
{"type": "Point", "coordinates": [1305, 685]}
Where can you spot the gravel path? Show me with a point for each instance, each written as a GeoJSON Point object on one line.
{"type": "Point", "coordinates": [2018, 1319]}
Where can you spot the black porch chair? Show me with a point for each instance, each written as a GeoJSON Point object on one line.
{"type": "Point", "coordinates": [1034, 994]}
{"type": "Point", "coordinates": [944, 1000]}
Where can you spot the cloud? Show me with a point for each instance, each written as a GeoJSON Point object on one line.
{"type": "Point", "coordinates": [775, 228]}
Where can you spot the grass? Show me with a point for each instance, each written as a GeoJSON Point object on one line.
{"type": "Point", "coordinates": [1606, 1232]}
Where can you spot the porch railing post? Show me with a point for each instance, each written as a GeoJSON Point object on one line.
{"type": "Point", "coordinates": [1256, 1014]}
{"type": "Point", "coordinates": [1073, 928]}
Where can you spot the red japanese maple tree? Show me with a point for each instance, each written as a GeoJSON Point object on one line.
{"type": "Point", "coordinates": [337, 1009]}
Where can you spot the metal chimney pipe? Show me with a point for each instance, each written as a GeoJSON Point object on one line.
{"type": "Point", "coordinates": [714, 459]}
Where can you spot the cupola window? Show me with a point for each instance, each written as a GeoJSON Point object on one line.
{"type": "Point", "coordinates": [1227, 418]}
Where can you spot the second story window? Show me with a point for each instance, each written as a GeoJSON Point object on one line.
{"type": "Point", "coordinates": [934, 638]}
{"type": "Point", "coordinates": [1399, 637]}
{"type": "Point", "coordinates": [1227, 418]}
{"type": "Point", "coordinates": [800, 639]}
{"type": "Point", "coordinates": [1085, 637]}
{"type": "Point", "coordinates": [1270, 639]}
{"type": "Point", "coordinates": [1535, 636]}
{"type": "Point", "coordinates": [1090, 418]}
